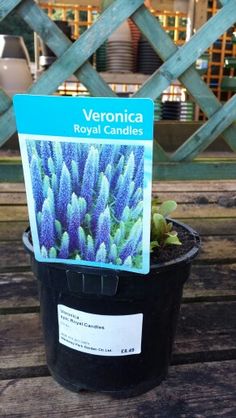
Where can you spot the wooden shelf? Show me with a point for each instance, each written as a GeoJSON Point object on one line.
{"type": "Point", "coordinates": [124, 78]}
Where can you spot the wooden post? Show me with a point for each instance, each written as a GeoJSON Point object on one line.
{"type": "Point", "coordinates": [200, 14]}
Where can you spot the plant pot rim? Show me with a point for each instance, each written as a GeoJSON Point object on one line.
{"type": "Point", "coordinates": [186, 257]}
{"type": "Point", "coordinates": [158, 267]}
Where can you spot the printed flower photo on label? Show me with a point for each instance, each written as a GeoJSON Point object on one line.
{"type": "Point", "coordinates": [88, 201]}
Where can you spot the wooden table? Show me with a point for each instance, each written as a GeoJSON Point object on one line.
{"type": "Point", "coordinates": [202, 377]}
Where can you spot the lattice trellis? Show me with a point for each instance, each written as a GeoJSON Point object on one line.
{"type": "Point", "coordinates": [178, 63]}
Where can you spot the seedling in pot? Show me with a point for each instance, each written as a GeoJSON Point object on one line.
{"type": "Point", "coordinates": [162, 232]}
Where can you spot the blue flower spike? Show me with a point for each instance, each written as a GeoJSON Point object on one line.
{"type": "Point", "coordinates": [64, 251]}
{"type": "Point", "coordinates": [101, 253]}
{"type": "Point", "coordinates": [37, 183]}
{"type": "Point", "coordinates": [64, 195]}
{"type": "Point", "coordinates": [47, 235]}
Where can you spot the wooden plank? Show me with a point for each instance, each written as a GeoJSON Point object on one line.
{"type": "Point", "coordinates": [218, 250]}
{"type": "Point", "coordinates": [163, 186]}
{"type": "Point", "coordinates": [12, 187]}
{"type": "Point", "coordinates": [196, 390]}
{"type": "Point", "coordinates": [201, 211]}
{"type": "Point", "coordinates": [19, 198]}
{"type": "Point", "coordinates": [196, 185]}
{"type": "Point", "coordinates": [22, 334]}
{"type": "Point", "coordinates": [194, 170]}
{"type": "Point", "coordinates": [11, 213]}
{"type": "Point", "coordinates": [12, 231]}
{"type": "Point", "coordinates": [198, 170]}
{"type": "Point", "coordinates": [7, 6]}
{"type": "Point", "coordinates": [162, 171]}
{"type": "Point", "coordinates": [13, 198]}
{"type": "Point", "coordinates": [20, 213]}
{"type": "Point", "coordinates": [165, 48]}
{"type": "Point", "coordinates": [200, 15]}
{"type": "Point", "coordinates": [13, 256]}
{"type": "Point", "coordinates": [19, 290]}
{"type": "Point", "coordinates": [169, 5]}
{"type": "Point", "coordinates": [124, 78]}
{"type": "Point", "coordinates": [217, 282]}
{"type": "Point", "coordinates": [213, 227]}
{"type": "Point", "coordinates": [190, 391]}
{"type": "Point", "coordinates": [202, 328]}
{"type": "Point", "coordinates": [184, 197]}
{"type": "Point", "coordinates": [205, 135]}
{"type": "Point", "coordinates": [205, 327]}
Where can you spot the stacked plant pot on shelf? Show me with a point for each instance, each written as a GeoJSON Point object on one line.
{"type": "Point", "coordinates": [174, 110]}
{"type": "Point", "coordinates": [101, 58]}
{"type": "Point", "coordinates": [187, 110]}
{"type": "Point", "coordinates": [177, 110]}
{"type": "Point", "coordinates": [148, 60]}
{"type": "Point", "coordinates": [120, 55]}
{"type": "Point", "coordinates": [157, 110]}
{"type": "Point", "coordinates": [171, 110]}
{"type": "Point", "coordinates": [135, 36]}
{"type": "Point", "coordinates": [15, 74]}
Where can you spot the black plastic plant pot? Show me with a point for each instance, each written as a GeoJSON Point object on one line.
{"type": "Point", "coordinates": [154, 297]}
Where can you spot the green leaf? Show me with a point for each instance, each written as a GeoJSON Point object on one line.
{"type": "Point", "coordinates": [52, 252]}
{"type": "Point", "coordinates": [172, 234]}
{"type": "Point", "coordinates": [167, 207]}
{"type": "Point", "coordinates": [153, 244]}
{"type": "Point", "coordinates": [172, 240]}
{"type": "Point", "coordinates": [169, 226]}
{"type": "Point", "coordinates": [159, 226]}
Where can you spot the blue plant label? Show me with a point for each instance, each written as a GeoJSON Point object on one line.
{"type": "Point", "coordinates": [88, 173]}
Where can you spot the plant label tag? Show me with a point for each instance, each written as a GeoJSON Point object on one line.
{"type": "Point", "coordinates": [104, 335]}
{"type": "Point", "coordinates": [88, 173]}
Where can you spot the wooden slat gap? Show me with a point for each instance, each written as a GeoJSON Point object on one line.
{"type": "Point", "coordinates": [19, 310]}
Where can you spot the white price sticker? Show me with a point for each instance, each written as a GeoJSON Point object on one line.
{"type": "Point", "coordinates": [102, 335]}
